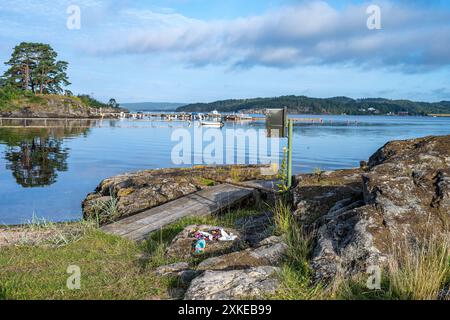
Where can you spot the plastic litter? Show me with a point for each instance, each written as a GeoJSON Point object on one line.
{"type": "Point", "coordinates": [216, 234]}
{"type": "Point", "coordinates": [227, 237]}
{"type": "Point", "coordinates": [199, 246]}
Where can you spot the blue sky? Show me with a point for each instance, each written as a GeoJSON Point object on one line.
{"type": "Point", "coordinates": [205, 50]}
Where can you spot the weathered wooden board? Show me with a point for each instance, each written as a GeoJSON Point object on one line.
{"type": "Point", "coordinates": [204, 202]}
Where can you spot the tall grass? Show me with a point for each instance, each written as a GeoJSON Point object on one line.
{"type": "Point", "coordinates": [420, 272]}
{"type": "Point", "coordinates": [105, 211]}
{"type": "Point", "coordinates": [296, 281]}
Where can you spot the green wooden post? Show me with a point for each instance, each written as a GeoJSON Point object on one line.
{"type": "Point", "coordinates": [289, 168]}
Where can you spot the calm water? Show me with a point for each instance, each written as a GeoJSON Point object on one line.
{"type": "Point", "coordinates": [48, 172]}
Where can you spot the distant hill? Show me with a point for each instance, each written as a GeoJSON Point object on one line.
{"type": "Point", "coordinates": [335, 105]}
{"type": "Point", "coordinates": [152, 106]}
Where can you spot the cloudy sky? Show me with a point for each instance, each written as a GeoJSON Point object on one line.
{"type": "Point", "coordinates": [205, 50]}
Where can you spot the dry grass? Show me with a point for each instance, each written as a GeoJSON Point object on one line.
{"type": "Point", "coordinates": [420, 272]}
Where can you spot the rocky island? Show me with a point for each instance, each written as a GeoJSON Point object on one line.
{"type": "Point", "coordinates": [56, 106]}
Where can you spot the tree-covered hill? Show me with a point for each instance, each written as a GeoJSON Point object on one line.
{"type": "Point", "coordinates": [34, 86]}
{"type": "Point", "coordinates": [335, 105]}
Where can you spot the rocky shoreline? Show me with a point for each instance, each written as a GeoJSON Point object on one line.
{"type": "Point", "coordinates": [55, 106]}
{"type": "Point", "coordinates": [135, 192]}
{"type": "Point", "coordinates": [356, 218]}
{"type": "Point", "coordinates": [399, 198]}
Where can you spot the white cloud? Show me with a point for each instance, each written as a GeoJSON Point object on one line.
{"type": "Point", "coordinates": [412, 38]}
{"type": "Point", "coordinates": [313, 32]}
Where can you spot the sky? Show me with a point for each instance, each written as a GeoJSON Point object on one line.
{"type": "Point", "coordinates": [207, 50]}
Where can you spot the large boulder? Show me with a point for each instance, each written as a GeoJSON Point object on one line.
{"type": "Point", "coordinates": [405, 197]}
{"type": "Point", "coordinates": [270, 252]}
{"type": "Point", "coordinates": [132, 193]}
{"type": "Point", "coordinates": [234, 284]}
{"type": "Point", "coordinates": [316, 194]}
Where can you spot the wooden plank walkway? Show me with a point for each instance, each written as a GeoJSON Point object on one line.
{"type": "Point", "coordinates": [201, 203]}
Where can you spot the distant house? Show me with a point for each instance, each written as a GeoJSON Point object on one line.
{"type": "Point", "coordinates": [403, 113]}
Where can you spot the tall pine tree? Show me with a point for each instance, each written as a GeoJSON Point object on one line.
{"type": "Point", "coordinates": [33, 66]}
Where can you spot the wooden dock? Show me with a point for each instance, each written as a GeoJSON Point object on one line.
{"type": "Point", "coordinates": [440, 115]}
{"type": "Point", "coordinates": [202, 203]}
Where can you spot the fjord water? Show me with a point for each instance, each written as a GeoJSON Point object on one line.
{"type": "Point", "coordinates": [47, 172]}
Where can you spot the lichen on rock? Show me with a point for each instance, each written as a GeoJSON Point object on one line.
{"type": "Point", "coordinates": [401, 196]}
{"type": "Point", "coordinates": [138, 191]}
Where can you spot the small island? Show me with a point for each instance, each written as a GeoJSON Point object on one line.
{"type": "Point", "coordinates": [33, 87]}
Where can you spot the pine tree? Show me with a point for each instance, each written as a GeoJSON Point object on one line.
{"type": "Point", "coordinates": [113, 103]}
{"type": "Point", "coordinates": [33, 66]}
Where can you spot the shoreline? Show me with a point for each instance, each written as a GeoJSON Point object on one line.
{"type": "Point", "coordinates": [345, 220]}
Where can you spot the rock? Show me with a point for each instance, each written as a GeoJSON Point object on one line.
{"type": "Point", "coordinates": [175, 293]}
{"type": "Point", "coordinates": [270, 252]}
{"type": "Point", "coordinates": [235, 284]}
{"type": "Point", "coordinates": [271, 241]}
{"type": "Point", "coordinates": [186, 276]}
{"type": "Point", "coordinates": [406, 197]}
{"type": "Point", "coordinates": [181, 246]}
{"type": "Point", "coordinates": [444, 294]}
{"type": "Point", "coordinates": [314, 195]}
{"type": "Point", "coordinates": [172, 268]}
{"type": "Point", "coordinates": [255, 228]}
{"type": "Point", "coordinates": [143, 190]}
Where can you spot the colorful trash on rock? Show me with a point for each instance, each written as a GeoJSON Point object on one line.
{"type": "Point", "coordinates": [216, 234]}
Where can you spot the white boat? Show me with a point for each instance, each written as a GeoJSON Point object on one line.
{"type": "Point", "coordinates": [217, 123]}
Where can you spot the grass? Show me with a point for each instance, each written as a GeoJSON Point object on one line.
{"type": "Point", "coordinates": [295, 273]}
{"type": "Point", "coordinates": [105, 211]}
{"type": "Point", "coordinates": [109, 270]}
{"type": "Point", "coordinates": [39, 231]}
{"type": "Point", "coordinates": [111, 267]}
{"type": "Point", "coordinates": [419, 272]}
{"type": "Point", "coordinates": [207, 182]}
{"type": "Point", "coordinates": [115, 268]}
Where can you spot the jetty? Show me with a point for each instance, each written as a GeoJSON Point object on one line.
{"type": "Point", "coordinates": [440, 115]}
{"type": "Point", "coordinates": [15, 122]}
{"type": "Point", "coordinates": [207, 116]}
{"type": "Point", "coordinates": [209, 201]}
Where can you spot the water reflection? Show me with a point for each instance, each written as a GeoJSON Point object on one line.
{"type": "Point", "coordinates": [53, 166]}
{"type": "Point", "coordinates": [34, 153]}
